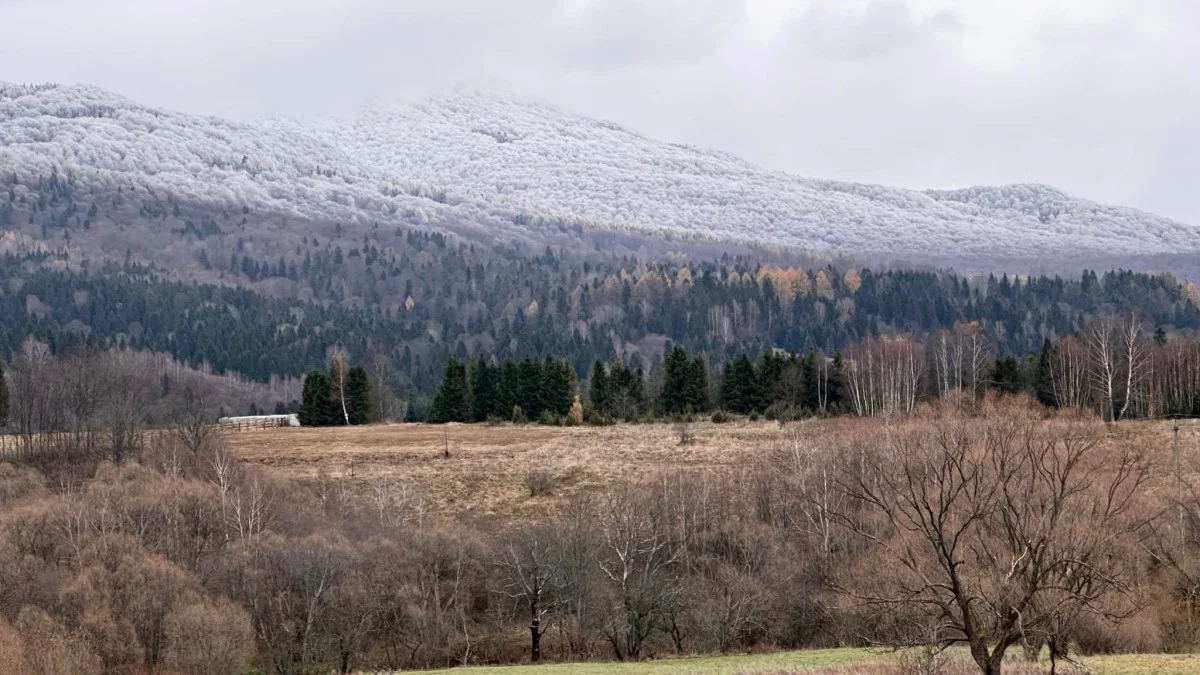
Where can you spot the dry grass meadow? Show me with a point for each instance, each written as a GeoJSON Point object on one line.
{"type": "Point", "coordinates": [842, 662]}
{"type": "Point", "coordinates": [486, 473]}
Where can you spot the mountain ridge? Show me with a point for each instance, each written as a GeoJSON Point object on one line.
{"type": "Point", "coordinates": [492, 164]}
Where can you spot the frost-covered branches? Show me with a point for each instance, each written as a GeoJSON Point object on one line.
{"type": "Point", "coordinates": [473, 158]}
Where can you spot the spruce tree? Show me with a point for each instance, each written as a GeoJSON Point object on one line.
{"type": "Point", "coordinates": [529, 388]}
{"type": "Point", "coordinates": [358, 396]}
{"type": "Point", "coordinates": [768, 379]}
{"type": "Point", "coordinates": [676, 377]}
{"type": "Point", "coordinates": [599, 393]}
{"type": "Point", "coordinates": [558, 391]}
{"type": "Point", "coordinates": [3, 399]}
{"type": "Point", "coordinates": [1007, 377]}
{"type": "Point", "coordinates": [626, 391]}
{"type": "Point", "coordinates": [697, 385]}
{"type": "Point", "coordinates": [810, 396]}
{"type": "Point", "coordinates": [317, 407]}
{"type": "Point", "coordinates": [637, 389]}
{"type": "Point", "coordinates": [483, 390]}
{"type": "Point", "coordinates": [452, 402]}
{"type": "Point", "coordinates": [739, 389]}
{"type": "Point", "coordinates": [1044, 384]}
{"type": "Point", "coordinates": [508, 387]}
{"type": "Point", "coordinates": [727, 394]}
{"type": "Point", "coordinates": [837, 383]}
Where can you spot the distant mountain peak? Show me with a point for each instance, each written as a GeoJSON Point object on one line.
{"type": "Point", "coordinates": [498, 161]}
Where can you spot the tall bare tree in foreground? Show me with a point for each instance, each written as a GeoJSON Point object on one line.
{"type": "Point", "coordinates": [530, 577]}
{"type": "Point", "coordinates": [638, 559]}
{"type": "Point", "coordinates": [994, 531]}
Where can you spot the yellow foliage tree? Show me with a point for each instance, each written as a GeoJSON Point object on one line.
{"type": "Point", "coordinates": [1192, 293]}
{"type": "Point", "coordinates": [852, 280]}
{"type": "Point", "coordinates": [803, 284]}
{"type": "Point", "coordinates": [824, 286]}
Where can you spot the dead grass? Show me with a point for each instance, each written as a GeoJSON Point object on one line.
{"type": "Point", "coordinates": [844, 662]}
{"type": "Point", "coordinates": [486, 473]}
{"type": "Point", "coordinates": [1145, 664]}
{"type": "Point", "coordinates": [488, 467]}
{"type": "Point", "coordinates": [805, 662]}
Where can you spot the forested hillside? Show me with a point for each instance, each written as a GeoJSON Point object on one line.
{"type": "Point", "coordinates": [437, 299]}
{"type": "Point", "coordinates": [260, 292]}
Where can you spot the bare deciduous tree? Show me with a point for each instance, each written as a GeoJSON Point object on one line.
{"type": "Point", "coordinates": [996, 529]}
{"type": "Point", "coordinates": [637, 561]}
{"type": "Point", "coordinates": [960, 359]}
{"type": "Point", "coordinates": [386, 381]}
{"type": "Point", "coordinates": [1069, 373]}
{"type": "Point", "coordinates": [1119, 359]}
{"type": "Point", "coordinates": [530, 577]}
{"type": "Point", "coordinates": [813, 496]}
{"type": "Point", "coordinates": [882, 375]}
{"type": "Point", "coordinates": [339, 369]}
{"type": "Point", "coordinates": [577, 550]}
{"type": "Point", "coordinates": [194, 427]}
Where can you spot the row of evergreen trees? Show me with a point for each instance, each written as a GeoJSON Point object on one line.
{"type": "Point", "coordinates": [786, 383]}
{"type": "Point", "coordinates": [777, 385]}
{"type": "Point", "coordinates": [544, 390]}
{"type": "Point", "coordinates": [337, 398]}
{"type": "Point", "coordinates": [517, 391]}
{"type": "Point", "coordinates": [618, 392]}
{"type": "Point", "coordinates": [685, 383]}
{"type": "Point", "coordinates": [3, 399]}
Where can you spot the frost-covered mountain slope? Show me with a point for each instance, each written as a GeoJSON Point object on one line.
{"type": "Point", "coordinates": [107, 142]}
{"type": "Point", "coordinates": [491, 161]}
{"type": "Point", "coordinates": [535, 157]}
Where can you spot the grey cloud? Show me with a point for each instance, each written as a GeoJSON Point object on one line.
{"type": "Point", "coordinates": [841, 30]}
{"type": "Point", "coordinates": [621, 33]}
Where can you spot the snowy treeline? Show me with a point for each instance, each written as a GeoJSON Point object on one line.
{"type": "Point", "coordinates": [503, 164]}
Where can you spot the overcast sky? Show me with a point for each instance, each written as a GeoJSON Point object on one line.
{"type": "Point", "coordinates": [1098, 97]}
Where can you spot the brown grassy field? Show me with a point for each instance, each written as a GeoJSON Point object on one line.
{"type": "Point", "coordinates": [486, 472]}
{"type": "Point", "coordinates": [485, 479]}
{"type": "Point", "coordinates": [842, 662]}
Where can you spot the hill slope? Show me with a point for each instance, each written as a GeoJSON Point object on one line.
{"type": "Point", "coordinates": [494, 165]}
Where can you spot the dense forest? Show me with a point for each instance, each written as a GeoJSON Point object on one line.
{"type": "Point", "coordinates": [471, 302]}
{"type": "Point", "coordinates": [233, 291]}
{"type": "Point", "coordinates": [263, 295]}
